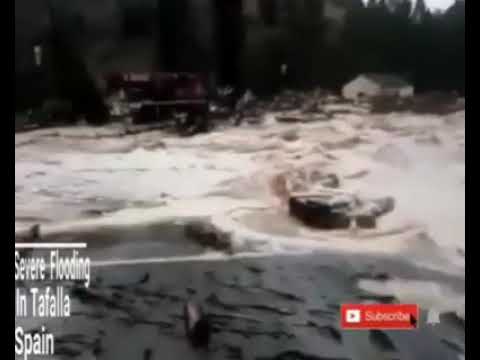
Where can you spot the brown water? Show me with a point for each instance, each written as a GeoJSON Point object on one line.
{"type": "Point", "coordinates": [128, 203]}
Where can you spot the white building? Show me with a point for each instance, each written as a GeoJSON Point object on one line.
{"type": "Point", "coordinates": [371, 85]}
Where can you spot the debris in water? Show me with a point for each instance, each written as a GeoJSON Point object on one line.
{"type": "Point", "coordinates": [320, 212]}
{"type": "Point", "coordinates": [331, 181]}
{"type": "Point", "coordinates": [145, 279]}
{"type": "Point", "coordinates": [331, 212]}
{"type": "Point", "coordinates": [208, 235]}
{"type": "Point", "coordinates": [197, 325]}
{"type": "Point", "coordinates": [366, 221]}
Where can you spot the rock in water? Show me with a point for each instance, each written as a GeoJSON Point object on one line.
{"type": "Point", "coordinates": [197, 326]}
{"type": "Point", "coordinates": [331, 181]}
{"type": "Point", "coordinates": [32, 235]}
{"type": "Point", "coordinates": [35, 232]}
{"type": "Point", "coordinates": [320, 213]}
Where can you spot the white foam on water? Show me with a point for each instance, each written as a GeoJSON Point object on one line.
{"type": "Point", "coordinates": [427, 294]}
{"type": "Point", "coordinates": [212, 175]}
{"type": "Point", "coordinates": [429, 192]}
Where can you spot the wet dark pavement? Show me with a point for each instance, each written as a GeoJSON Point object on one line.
{"type": "Point", "coordinates": [271, 308]}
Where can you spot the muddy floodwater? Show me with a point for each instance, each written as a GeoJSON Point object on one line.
{"type": "Point", "coordinates": [276, 293]}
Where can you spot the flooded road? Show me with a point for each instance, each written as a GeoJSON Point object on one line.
{"type": "Point", "coordinates": [283, 307]}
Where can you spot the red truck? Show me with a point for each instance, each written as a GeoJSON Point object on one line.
{"type": "Point", "coordinates": [153, 97]}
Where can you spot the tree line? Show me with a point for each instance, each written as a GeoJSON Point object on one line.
{"type": "Point", "coordinates": [427, 48]}
{"type": "Point", "coordinates": [385, 36]}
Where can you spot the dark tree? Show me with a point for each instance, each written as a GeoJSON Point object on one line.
{"type": "Point", "coordinates": [137, 21]}
{"type": "Point", "coordinates": [230, 41]}
{"type": "Point", "coordinates": [269, 12]}
{"type": "Point", "coordinates": [70, 77]}
{"type": "Point", "coordinates": [419, 12]}
{"type": "Point", "coordinates": [404, 9]}
{"type": "Point", "coordinates": [172, 34]}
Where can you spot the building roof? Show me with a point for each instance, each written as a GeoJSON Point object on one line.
{"type": "Point", "coordinates": [387, 80]}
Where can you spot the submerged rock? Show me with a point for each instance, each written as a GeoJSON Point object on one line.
{"type": "Point", "coordinates": [337, 212]}
{"type": "Point", "coordinates": [320, 212]}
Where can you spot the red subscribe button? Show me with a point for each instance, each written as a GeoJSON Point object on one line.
{"type": "Point", "coordinates": [380, 317]}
